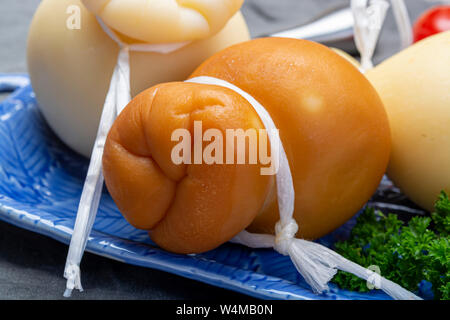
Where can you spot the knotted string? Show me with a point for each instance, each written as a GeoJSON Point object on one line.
{"type": "Point", "coordinates": [117, 98]}
{"type": "Point", "coordinates": [369, 16]}
{"type": "Point", "coordinates": [316, 263]}
{"type": "Point", "coordinates": [368, 20]}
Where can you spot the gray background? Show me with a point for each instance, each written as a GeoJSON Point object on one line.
{"type": "Point", "coordinates": [31, 266]}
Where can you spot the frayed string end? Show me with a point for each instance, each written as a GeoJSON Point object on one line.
{"type": "Point", "coordinates": [316, 263]}
{"type": "Point", "coordinates": [313, 264]}
{"type": "Point", "coordinates": [73, 276]}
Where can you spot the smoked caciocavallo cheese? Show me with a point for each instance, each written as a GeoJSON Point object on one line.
{"type": "Point", "coordinates": [331, 121]}
{"type": "Point", "coordinates": [71, 68]}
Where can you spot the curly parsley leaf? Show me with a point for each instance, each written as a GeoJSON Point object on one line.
{"type": "Point", "coordinates": [406, 254]}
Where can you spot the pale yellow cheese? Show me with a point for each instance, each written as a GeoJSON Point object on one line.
{"type": "Point", "coordinates": [70, 69]}
{"type": "Point", "coordinates": [170, 20]}
{"type": "Point", "coordinates": [415, 88]}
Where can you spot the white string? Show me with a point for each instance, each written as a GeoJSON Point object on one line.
{"type": "Point", "coordinates": [163, 48]}
{"type": "Point", "coordinates": [368, 21]}
{"type": "Point", "coordinates": [316, 263]}
{"type": "Point", "coordinates": [117, 98]}
{"type": "Point", "coordinates": [403, 22]}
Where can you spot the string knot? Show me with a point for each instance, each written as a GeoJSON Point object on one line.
{"type": "Point", "coordinates": [284, 235]}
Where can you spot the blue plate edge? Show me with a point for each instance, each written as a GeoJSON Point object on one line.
{"type": "Point", "coordinates": [92, 247]}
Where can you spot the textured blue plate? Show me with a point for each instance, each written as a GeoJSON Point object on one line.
{"type": "Point", "coordinates": [40, 185]}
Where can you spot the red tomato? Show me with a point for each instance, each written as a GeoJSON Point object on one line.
{"type": "Point", "coordinates": [435, 20]}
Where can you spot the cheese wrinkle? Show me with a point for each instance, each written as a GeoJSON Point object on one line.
{"type": "Point", "coordinates": [165, 21]}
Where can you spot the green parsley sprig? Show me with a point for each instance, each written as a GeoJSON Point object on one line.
{"type": "Point", "coordinates": [405, 253]}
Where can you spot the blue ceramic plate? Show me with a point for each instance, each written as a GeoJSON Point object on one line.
{"type": "Point", "coordinates": [40, 186]}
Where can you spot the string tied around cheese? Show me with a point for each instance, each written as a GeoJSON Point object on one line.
{"type": "Point", "coordinates": [118, 96]}
{"type": "Point", "coordinates": [285, 234]}
{"type": "Point", "coordinates": [316, 263]}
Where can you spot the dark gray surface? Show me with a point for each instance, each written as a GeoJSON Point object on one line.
{"type": "Point", "coordinates": [31, 266]}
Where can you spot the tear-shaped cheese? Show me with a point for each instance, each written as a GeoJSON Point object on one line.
{"type": "Point", "coordinates": [332, 124]}
{"type": "Point", "coordinates": [189, 208]}
{"type": "Point", "coordinates": [163, 21]}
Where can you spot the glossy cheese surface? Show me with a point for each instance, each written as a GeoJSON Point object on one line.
{"type": "Point", "coordinates": [189, 208]}
{"type": "Point", "coordinates": [332, 124]}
